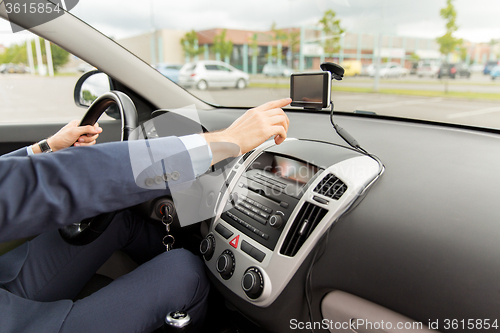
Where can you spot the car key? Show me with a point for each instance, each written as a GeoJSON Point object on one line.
{"type": "Point", "coordinates": [167, 219]}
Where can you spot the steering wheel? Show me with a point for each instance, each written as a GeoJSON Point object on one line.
{"type": "Point", "coordinates": [89, 229]}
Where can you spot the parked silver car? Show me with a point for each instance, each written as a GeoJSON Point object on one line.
{"type": "Point", "coordinates": [212, 73]}
{"type": "Point", "coordinates": [388, 69]}
{"type": "Point", "coordinates": [428, 68]}
{"type": "Point", "coordinates": [276, 70]}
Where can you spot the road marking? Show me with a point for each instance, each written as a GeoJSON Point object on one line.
{"type": "Point", "coordinates": [400, 103]}
{"type": "Point", "coordinates": [475, 112]}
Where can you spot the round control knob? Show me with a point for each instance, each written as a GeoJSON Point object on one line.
{"type": "Point", "coordinates": [277, 220]}
{"type": "Point", "coordinates": [207, 247]}
{"type": "Point", "coordinates": [234, 197]}
{"type": "Point", "coordinates": [252, 283]}
{"type": "Point", "coordinates": [225, 264]}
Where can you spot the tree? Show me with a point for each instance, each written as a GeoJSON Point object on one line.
{"type": "Point", "coordinates": [60, 57]}
{"type": "Point", "coordinates": [293, 43]}
{"type": "Point", "coordinates": [278, 36]}
{"type": "Point", "coordinates": [17, 54]}
{"type": "Point", "coordinates": [414, 57]}
{"type": "Point", "coordinates": [189, 44]}
{"type": "Point", "coordinates": [332, 30]}
{"type": "Point", "coordinates": [222, 46]}
{"type": "Point", "coordinates": [14, 54]}
{"type": "Point", "coordinates": [254, 47]}
{"type": "Point", "coordinates": [87, 97]}
{"type": "Point", "coordinates": [463, 53]}
{"type": "Point", "coordinates": [448, 43]}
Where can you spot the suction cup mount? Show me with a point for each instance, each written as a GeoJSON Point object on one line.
{"type": "Point", "coordinates": [336, 70]}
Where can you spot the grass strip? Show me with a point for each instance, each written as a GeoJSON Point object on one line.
{"type": "Point", "coordinates": [408, 92]}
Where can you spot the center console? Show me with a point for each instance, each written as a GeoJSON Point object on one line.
{"type": "Point", "coordinates": [278, 203]}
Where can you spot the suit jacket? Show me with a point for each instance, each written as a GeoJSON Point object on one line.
{"type": "Point", "coordinates": [48, 191]}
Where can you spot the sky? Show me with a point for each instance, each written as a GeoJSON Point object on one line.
{"type": "Point", "coordinates": [477, 20]}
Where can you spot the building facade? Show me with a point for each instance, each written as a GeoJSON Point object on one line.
{"type": "Point", "coordinates": [301, 50]}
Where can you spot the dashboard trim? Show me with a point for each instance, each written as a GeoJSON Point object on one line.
{"type": "Point", "coordinates": [277, 270]}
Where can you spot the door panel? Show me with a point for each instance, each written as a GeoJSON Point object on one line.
{"type": "Point", "coordinates": [226, 76]}
{"type": "Point", "coordinates": [15, 136]}
{"type": "Point", "coordinates": [213, 76]}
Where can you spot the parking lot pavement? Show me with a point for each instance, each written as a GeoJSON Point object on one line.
{"type": "Point", "coordinates": [33, 99]}
{"type": "Point", "coordinates": [466, 112]}
{"type": "Point", "coordinates": [28, 98]}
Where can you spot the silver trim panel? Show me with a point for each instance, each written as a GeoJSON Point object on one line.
{"type": "Point", "coordinates": [277, 269]}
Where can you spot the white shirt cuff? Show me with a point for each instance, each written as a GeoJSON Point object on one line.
{"type": "Point", "coordinates": [199, 152]}
{"type": "Point", "coordinates": [29, 150]}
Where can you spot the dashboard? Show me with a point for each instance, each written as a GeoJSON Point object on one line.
{"type": "Point", "coordinates": [423, 242]}
{"type": "Point", "coordinates": [420, 243]}
{"type": "Point", "coordinates": [280, 200]}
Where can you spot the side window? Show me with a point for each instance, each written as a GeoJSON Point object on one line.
{"type": "Point", "coordinates": [211, 67]}
{"type": "Point", "coordinates": [37, 80]}
{"type": "Point", "coordinates": [223, 68]}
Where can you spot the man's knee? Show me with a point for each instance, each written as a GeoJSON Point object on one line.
{"type": "Point", "coordinates": [189, 271]}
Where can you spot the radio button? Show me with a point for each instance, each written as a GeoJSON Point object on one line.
{"type": "Point", "coordinates": [242, 209]}
{"type": "Point", "coordinates": [267, 209]}
{"type": "Point", "coordinates": [260, 219]}
{"type": "Point", "coordinates": [225, 232]}
{"type": "Point", "coordinates": [246, 205]}
{"type": "Point", "coordinates": [246, 247]}
{"type": "Point", "coordinates": [264, 215]}
{"type": "Point", "coordinates": [250, 201]}
{"type": "Point", "coordinates": [257, 254]}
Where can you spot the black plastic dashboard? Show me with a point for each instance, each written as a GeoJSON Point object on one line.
{"type": "Point", "coordinates": [424, 242]}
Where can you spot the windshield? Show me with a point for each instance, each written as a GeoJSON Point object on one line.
{"type": "Point", "coordinates": [397, 54]}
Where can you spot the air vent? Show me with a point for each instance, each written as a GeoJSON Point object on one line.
{"type": "Point", "coordinates": [331, 187]}
{"type": "Point", "coordinates": [308, 218]}
{"type": "Point", "coordinates": [247, 154]}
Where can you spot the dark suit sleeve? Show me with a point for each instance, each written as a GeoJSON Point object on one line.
{"type": "Point", "coordinates": [48, 191]}
{"type": "Point", "coordinates": [20, 152]}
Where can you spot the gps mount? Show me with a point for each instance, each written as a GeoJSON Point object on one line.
{"type": "Point", "coordinates": [336, 70]}
{"type": "Point", "coordinates": [337, 73]}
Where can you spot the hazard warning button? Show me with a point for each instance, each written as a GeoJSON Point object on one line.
{"type": "Point", "coordinates": [234, 242]}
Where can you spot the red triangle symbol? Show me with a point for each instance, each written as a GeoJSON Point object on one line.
{"type": "Point", "coordinates": [234, 242]}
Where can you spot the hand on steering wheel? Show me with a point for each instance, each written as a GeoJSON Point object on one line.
{"type": "Point", "coordinates": [89, 229]}
{"type": "Point", "coordinates": [74, 135]}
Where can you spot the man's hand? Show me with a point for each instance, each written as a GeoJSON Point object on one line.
{"type": "Point", "coordinates": [255, 126]}
{"type": "Point", "coordinates": [70, 135]}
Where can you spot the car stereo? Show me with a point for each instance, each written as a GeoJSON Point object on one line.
{"type": "Point", "coordinates": [266, 195]}
{"type": "Point", "coordinates": [278, 202]}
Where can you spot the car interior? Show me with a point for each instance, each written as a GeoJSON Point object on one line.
{"type": "Point", "coordinates": [403, 230]}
